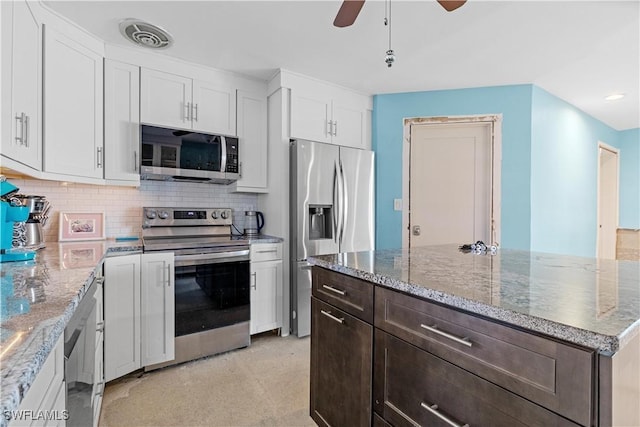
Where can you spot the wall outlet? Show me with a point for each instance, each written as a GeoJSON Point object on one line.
{"type": "Point", "coordinates": [397, 204]}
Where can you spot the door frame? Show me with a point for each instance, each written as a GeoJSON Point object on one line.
{"type": "Point", "coordinates": [616, 152]}
{"type": "Point", "coordinates": [495, 123]}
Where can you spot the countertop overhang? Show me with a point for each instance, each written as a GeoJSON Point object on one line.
{"type": "Point", "coordinates": [591, 302]}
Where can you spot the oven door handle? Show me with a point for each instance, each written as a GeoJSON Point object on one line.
{"type": "Point", "coordinates": [212, 258]}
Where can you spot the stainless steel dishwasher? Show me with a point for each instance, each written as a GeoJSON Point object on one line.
{"type": "Point", "coordinates": [82, 361]}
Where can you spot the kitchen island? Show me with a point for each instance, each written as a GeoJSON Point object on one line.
{"type": "Point", "coordinates": [560, 331]}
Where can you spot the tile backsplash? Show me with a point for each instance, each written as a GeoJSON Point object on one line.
{"type": "Point", "coordinates": [123, 205]}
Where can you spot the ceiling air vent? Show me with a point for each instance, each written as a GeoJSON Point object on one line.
{"type": "Point", "coordinates": [145, 34]}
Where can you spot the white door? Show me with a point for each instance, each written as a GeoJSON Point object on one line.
{"type": "Point", "coordinates": [165, 99]}
{"type": "Point", "coordinates": [266, 296]}
{"type": "Point", "coordinates": [214, 108]}
{"type": "Point", "coordinates": [252, 134]}
{"type": "Point", "coordinates": [121, 121]}
{"type": "Point", "coordinates": [450, 184]}
{"type": "Point", "coordinates": [310, 117]}
{"type": "Point", "coordinates": [24, 144]}
{"type": "Point", "coordinates": [607, 201]}
{"type": "Point", "coordinates": [122, 316]}
{"type": "Point", "coordinates": [158, 308]}
{"type": "Point", "coordinates": [73, 105]}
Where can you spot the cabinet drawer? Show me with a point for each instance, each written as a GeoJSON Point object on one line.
{"type": "Point", "coordinates": [266, 252]}
{"type": "Point", "coordinates": [352, 295]}
{"type": "Point", "coordinates": [555, 375]}
{"type": "Point", "coordinates": [413, 387]}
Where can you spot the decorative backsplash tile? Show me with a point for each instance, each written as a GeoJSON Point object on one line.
{"type": "Point", "coordinates": [123, 205]}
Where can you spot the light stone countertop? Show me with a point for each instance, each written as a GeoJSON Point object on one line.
{"type": "Point", "coordinates": [586, 301]}
{"type": "Point", "coordinates": [37, 300]}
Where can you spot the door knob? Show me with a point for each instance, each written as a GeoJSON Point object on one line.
{"type": "Point", "coordinates": [416, 230]}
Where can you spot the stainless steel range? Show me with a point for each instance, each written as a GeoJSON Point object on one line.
{"type": "Point", "coordinates": [211, 278]}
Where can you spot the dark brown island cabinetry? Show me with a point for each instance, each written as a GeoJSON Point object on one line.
{"type": "Point", "coordinates": [341, 350]}
{"type": "Point", "coordinates": [426, 364]}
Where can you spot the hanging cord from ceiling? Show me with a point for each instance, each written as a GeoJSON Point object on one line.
{"type": "Point", "coordinates": [390, 57]}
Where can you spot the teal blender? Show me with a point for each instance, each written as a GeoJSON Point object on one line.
{"type": "Point", "coordinates": [10, 213]}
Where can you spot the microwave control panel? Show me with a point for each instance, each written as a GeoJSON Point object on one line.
{"type": "Point", "coordinates": [232, 155]}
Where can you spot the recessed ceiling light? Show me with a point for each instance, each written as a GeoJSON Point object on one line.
{"type": "Point", "coordinates": [614, 97]}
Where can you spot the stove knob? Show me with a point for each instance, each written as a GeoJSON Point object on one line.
{"type": "Point", "coordinates": [151, 214]}
{"type": "Point", "coordinates": [163, 214]}
{"type": "Point", "coordinates": [224, 214]}
{"type": "Point", "coordinates": [214, 214]}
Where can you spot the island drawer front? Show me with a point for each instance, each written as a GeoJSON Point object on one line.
{"type": "Point", "coordinates": [352, 295]}
{"type": "Point", "coordinates": [413, 387]}
{"type": "Point", "coordinates": [555, 375]}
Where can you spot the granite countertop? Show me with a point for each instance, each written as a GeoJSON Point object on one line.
{"type": "Point", "coordinates": [586, 301]}
{"type": "Point", "coordinates": [37, 299]}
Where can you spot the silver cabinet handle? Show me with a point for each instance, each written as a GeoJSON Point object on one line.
{"type": "Point", "coordinates": [168, 275]}
{"type": "Point", "coordinates": [99, 156]}
{"type": "Point", "coordinates": [331, 316]}
{"type": "Point", "coordinates": [135, 160]}
{"type": "Point", "coordinates": [335, 290]}
{"type": "Point", "coordinates": [100, 327]}
{"type": "Point", "coordinates": [26, 130]}
{"type": "Point", "coordinates": [435, 330]}
{"type": "Point", "coordinates": [255, 281]}
{"type": "Point", "coordinates": [101, 392]}
{"type": "Point", "coordinates": [194, 113]}
{"type": "Point", "coordinates": [20, 119]}
{"type": "Point", "coordinates": [328, 127]}
{"type": "Point", "coordinates": [187, 109]}
{"type": "Point", "coordinates": [335, 128]}
{"type": "Point", "coordinates": [434, 410]}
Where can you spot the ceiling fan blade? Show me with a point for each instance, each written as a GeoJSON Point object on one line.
{"type": "Point", "coordinates": [451, 5]}
{"type": "Point", "coordinates": [348, 13]}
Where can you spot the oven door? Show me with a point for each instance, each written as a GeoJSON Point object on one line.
{"type": "Point", "coordinates": [212, 290]}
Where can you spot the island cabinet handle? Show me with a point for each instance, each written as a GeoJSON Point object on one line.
{"type": "Point", "coordinates": [335, 290]}
{"type": "Point", "coordinates": [331, 316]}
{"type": "Point", "coordinates": [434, 410]}
{"type": "Point", "coordinates": [435, 330]}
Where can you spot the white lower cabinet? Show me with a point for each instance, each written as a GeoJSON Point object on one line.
{"type": "Point", "coordinates": [139, 312]}
{"type": "Point", "coordinates": [266, 287]}
{"type": "Point", "coordinates": [46, 395]}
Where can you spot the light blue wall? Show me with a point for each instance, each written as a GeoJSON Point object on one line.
{"type": "Point", "coordinates": [564, 175]}
{"type": "Point", "coordinates": [549, 164]}
{"type": "Point", "coordinates": [629, 146]}
{"type": "Point", "coordinates": [513, 102]}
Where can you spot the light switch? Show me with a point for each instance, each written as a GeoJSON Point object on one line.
{"type": "Point", "coordinates": [397, 204]}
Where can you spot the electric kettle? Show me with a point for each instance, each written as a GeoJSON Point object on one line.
{"type": "Point", "coordinates": [254, 221]}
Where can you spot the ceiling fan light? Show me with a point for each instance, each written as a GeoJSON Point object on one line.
{"type": "Point", "coordinates": [614, 97]}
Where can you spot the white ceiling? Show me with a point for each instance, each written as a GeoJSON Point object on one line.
{"type": "Point", "coordinates": [579, 51]}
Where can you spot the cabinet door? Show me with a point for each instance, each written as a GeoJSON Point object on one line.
{"type": "Point", "coordinates": [158, 308]}
{"type": "Point", "coordinates": [121, 316]}
{"type": "Point", "coordinates": [310, 117]}
{"type": "Point", "coordinates": [23, 31]}
{"type": "Point", "coordinates": [252, 134]}
{"type": "Point", "coordinates": [214, 108]}
{"type": "Point", "coordinates": [121, 121]}
{"type": "Point", "coordinates": [165, 99]}
{"type": "Point", "coordinates": [266, 296]}
{"type": "Point", "coordinates": [341, 363]}
{"type": "Point", "coordinates": [72, 107]}
{"type": "Point", "coordinates": [349, 125]}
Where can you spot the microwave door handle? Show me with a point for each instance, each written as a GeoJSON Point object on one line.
{"type": "Point", "coordinates": [223, 157]}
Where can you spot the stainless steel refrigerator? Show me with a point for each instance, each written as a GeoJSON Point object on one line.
{"type": "Point", "coordinates": [332, 210]}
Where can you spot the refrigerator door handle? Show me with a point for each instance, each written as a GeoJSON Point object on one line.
{"type": "Point", "coordinates": [336, 201]}
{"type": "Point", "coordinates": [343, 203]}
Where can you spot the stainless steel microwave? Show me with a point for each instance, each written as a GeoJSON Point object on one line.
{"type": "Point", "coordinates": [181, 155]}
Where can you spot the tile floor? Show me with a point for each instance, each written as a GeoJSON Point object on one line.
{"type": "Point", "coordinates": [266, 384]}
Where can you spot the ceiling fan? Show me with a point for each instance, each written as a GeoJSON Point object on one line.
{"type": "Point", "coordinates": [351, 8]}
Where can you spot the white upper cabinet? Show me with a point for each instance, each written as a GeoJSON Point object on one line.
{"type": "Point", "coordinates": [165, 99]}
{"type": "Point", "coordinates": [175, 101]}
{"type": "Point", "coordinates": [73, 105]}
{"type": "Point", "coordinates": [214, 108]}
{"type": "Point", "coordinates": [21, 85]}
{"type": "Point", "coordinates": [252, 134]}
{"type": "Point", "coordinates": [121, 122]}
{"type": "Point", "coordinates": [326, 113]}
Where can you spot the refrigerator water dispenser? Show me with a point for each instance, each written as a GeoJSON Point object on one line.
{"type": "Point", "coordinates": [320, 222]}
